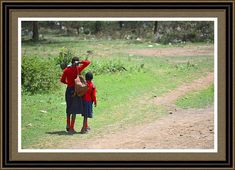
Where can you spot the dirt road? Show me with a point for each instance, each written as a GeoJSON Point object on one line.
{"type": "Point", "coordinates": [184, 129]}
{"type": "Point", "coordinates": [174, 51]}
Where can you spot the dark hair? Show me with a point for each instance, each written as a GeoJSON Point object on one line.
{"type": "Point", "coordinates": [74, 59]}
{"type": "Point", "coordinates": [89, 76]}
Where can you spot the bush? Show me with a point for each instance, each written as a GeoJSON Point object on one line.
{"type": "Point", "coordinates": [38, 74]}
{"type": "Point", "coordinates": [64, 58]}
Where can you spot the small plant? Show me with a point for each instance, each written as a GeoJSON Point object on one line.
{"type": "Point", "coordinates": [186, 66]}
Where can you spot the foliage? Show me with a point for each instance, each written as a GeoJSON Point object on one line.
{"type": "Point", "coordinates": [64, 58]}
{"type": "Point", "coordinates": [163, 32]}
{"type": "Point", "coordinates": [181, 32]}
{"type": "Point", "coordinates": [38, 74]}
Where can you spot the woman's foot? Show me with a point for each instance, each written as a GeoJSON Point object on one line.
{"type": "Point", "coordinates": [67, 128]}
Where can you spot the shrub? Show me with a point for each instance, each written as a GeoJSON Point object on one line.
{"type": "Point", "coordinates": [64, 58]}
{"type": "Point", "coordinates": [38, 74]}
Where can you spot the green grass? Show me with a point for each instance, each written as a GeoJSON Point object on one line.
{"type": "Point", "coordinates": [123, 97]}
{"type": "Point", "coordinates": [113, 93]}
{"type": "Point", "coordinates": [197, 99]}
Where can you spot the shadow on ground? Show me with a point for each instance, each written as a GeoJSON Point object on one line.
{"type": "Point", "coordinates": [58, 133]}
{"type": "Point", "coordinates": [62, 133]}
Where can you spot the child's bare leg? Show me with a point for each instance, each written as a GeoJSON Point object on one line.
{"type": "Point", "coordinates": [84, 124]}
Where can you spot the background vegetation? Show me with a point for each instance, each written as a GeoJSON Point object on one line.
{"type": "Point", "coordinates": [38, 69]}
{"type": "Point", "coordinates": [163, 32]}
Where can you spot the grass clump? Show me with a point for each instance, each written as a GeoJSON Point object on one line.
{"type": "Point", "coordinates": [197, 99]}
{"type": "Point", "coordinates": [112, 66]}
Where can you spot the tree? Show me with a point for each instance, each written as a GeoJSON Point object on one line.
{"type": "Point", "coordinates": [35, 31]}
{"type": "Point", "coordinates": [155, 29]}
{"type": "Point", "coordinates": [97, 27]}
{"type": "Point", "coordinates": [120, 24]}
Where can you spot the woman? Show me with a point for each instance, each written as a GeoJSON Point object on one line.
{"type": "Point", "coordinates": [74, 104]}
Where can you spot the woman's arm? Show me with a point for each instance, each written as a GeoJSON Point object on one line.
{"type": "Point", "coordinates": [63, 77]}
{"type": "Point", "coordinates": [84, 63]}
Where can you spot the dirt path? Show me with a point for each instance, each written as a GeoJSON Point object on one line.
{"type": "Point", "coordinates": [170, 97]}
{"type": "Point", "coordinates": [181, 129]}
{"type": "Point", "coordinates": [174, 51]}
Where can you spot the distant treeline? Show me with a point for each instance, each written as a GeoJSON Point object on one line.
{"type": "Point", "coordinates": [155, 31]}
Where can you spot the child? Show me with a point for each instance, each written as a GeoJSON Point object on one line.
{"type": "Point", "coordinates": [88, 100]}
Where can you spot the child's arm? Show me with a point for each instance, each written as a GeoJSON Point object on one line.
{"type": "Point", "coordinates": [94, 96]}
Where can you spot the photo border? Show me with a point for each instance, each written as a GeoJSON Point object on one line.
{"type": "Point", "coordinates": [10, 160]}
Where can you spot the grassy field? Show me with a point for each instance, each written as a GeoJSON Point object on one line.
{"type": "Point", "coordinates": [124, 98]}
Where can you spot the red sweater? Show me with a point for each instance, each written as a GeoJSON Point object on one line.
{"type": "Point", "coordinates": [70, 73]}
{"type": "Point", "coordinates": [91, 93]}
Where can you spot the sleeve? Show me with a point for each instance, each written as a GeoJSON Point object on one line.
{"type": "Point", "coordinates": [85, 63]}
{"type": "Point", "coordinates": [94, 94]}
{"type": "Point", "coordinates": [63, 77]}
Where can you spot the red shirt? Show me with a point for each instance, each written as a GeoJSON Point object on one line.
{"type": "Point", "coordinates": [91, 93]}
{"type": "Point", "coordinates": [70, 73]}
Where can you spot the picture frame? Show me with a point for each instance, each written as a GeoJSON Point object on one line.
{"type": "Point", "coordinates": [12, 10]}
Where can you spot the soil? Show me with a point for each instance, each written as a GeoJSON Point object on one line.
{"type": "Point", "coordinates": [174, 51]}
{"type": "Point", "coordinates": [183, 129]}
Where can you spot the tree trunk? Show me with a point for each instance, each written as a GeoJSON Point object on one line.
{"type": "Point", "coordinates": [78, 30]}
{"type": "Point", "coordinates": [97, 27]}
{"type": "Point", "coordinates": [35, 31]}
{"type": "Point", "coordinates": [120, 24]}
{"type": "Point", "coordinates": [155, 27]}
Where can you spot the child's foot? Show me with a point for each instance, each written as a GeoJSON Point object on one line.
{"type": "Point", "coordinates": [83, 131]}
{"type": "Point", "coordinates": [72, 131]}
